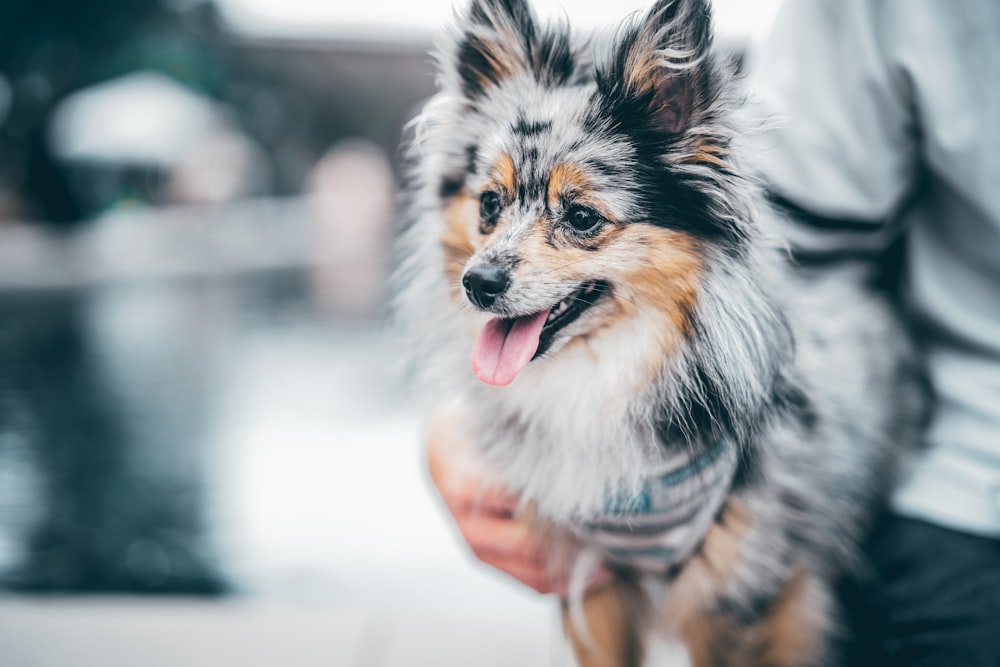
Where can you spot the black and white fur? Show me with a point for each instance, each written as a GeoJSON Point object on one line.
{"type": "Point", "coordinates": [810, 376]}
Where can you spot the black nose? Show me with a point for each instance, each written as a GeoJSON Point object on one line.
{"type": "Point", "coordinates": [484, 283]}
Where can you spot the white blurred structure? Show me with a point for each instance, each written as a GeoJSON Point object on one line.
{"type": "Point", "coordinates": [386, 21]}
{"type": "Point", "coordinates": [351, 201]}
{"type": "Point", "coordinates": [146, 119]}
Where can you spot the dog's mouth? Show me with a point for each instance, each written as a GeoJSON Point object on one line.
{"type": "Point", "coordinates": [567, 311]}
{"type": "Point", "coordinates": [506, 345]}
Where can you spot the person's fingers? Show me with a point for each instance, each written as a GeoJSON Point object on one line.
{"type": "Point", "coordinates": [501, 537]}
{"type": "Point", "coordinates": [451, 472]}
{"type": "Point", "coordinates": [535, 576]}
{"type": "Point", "coordinates": [455, 479]}
{"type": "Point", "coordinates": [472, 495]}
{"type": "Point", "coordinates": [543, 576]}
{"type": "Point", "coordinates": [485, 514]}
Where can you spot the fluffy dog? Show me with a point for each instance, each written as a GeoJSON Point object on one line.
{"type": "Point", "coordinates": [648, 371]}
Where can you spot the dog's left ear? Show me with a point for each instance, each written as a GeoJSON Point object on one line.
{"type": "Point", "coordinates": [660, 65]}
{"type": "Point", "coordinates": [496, 42]}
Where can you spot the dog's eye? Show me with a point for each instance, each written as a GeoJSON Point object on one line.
{"type": "Point", "coordinates": [583, 218]}
{"type": "Point", "coordinates": [489, 210]}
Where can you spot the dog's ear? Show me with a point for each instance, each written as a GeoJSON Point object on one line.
{"type": "Point", "coordinates": [659, 65]}
{"type": "Point", "coordinates": [496, 41]}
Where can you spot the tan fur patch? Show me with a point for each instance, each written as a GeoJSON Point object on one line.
{"type": "Point", "coordinates": [704, 575]}
{"type": "Point", "coordinates": [570, 181]}
{"type": "Point", "coordinates": [708, 638]}
{"type": "Point", "coordinates": [791, 636]}
{"type": "Point", "coordinates": [643, 70]}
{"type": "Point", "coordinates": [461, 216]}
{"type": "Point", "coordinates": [504, 173]}
{"type": "Point", "coordinates": [615, 617]}
{"type": "Point", "coordinates": [788, 636]}
{"type": "Point", "coordinates": [668, 276]}
{"type": "Point", "coordinates": [565, 180]}
{"type": "Point", "coordinates": [710, 642]}
{"type": "Point", "coordinates": [709, 153]}
{"type": "Point", "coordinates": [501, 62]}
{"type": "Point", "coordinates": [652, 271]}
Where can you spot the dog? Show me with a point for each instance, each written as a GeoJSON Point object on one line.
{"type": "Point", "coordinates": [591, 268]}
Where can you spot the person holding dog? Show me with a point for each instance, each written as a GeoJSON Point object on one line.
{"type": "Point", "coordinates": [885, 135]}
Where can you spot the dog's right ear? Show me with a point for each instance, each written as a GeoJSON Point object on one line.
{"type": "Point", "coordinates": [659, 66]}
{"type": "Point", "coordinates": [495, 43]}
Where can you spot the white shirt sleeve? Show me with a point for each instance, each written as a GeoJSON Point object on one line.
{"type": "Point", "coordinates": [842, 142]}
{"type": "Point", "coordinates": [863, 96]}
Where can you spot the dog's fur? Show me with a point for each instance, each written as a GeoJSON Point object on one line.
{"type": "Point", "coordinates": [703, 330]}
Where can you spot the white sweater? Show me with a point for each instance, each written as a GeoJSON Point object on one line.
{"type": "Point", "coordinates": [890, 110]}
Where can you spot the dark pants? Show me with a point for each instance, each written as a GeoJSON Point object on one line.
{"type": "Point", "coordinates": [930, 598]}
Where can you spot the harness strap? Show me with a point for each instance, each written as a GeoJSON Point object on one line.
{"type": "Point", "coordinates": [662, 524]}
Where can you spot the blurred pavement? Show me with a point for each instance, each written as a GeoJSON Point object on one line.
{"type": "Point", "coordinates": [180, 406]}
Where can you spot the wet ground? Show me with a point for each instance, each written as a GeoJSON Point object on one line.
{"type": "Point", "coordinates": [213, 467]}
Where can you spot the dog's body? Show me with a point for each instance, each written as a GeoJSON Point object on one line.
{"type": "Point", "coordinates": [580, 222]}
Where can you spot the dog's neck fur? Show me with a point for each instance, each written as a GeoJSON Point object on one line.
{"type": "Point", "coordinates": [591, 419]}
{"type": "Point", "coordinates": [589, 423]}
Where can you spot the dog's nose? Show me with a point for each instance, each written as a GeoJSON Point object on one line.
{"type": "Point", "coordinates": [484, 283]}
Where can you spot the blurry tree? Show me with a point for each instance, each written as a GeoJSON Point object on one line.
{"type": "Point", "coordinates": [51, 48]}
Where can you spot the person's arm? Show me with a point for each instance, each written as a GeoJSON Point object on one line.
{"type": "Point", "coordinates": [841, 153]}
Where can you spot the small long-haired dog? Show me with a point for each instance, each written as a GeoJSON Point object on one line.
{"type": "Point", "coordinates": [648, 371]}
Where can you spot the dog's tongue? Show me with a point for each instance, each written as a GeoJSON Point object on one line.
{"type": "Point", "coordinates": [505, 346]}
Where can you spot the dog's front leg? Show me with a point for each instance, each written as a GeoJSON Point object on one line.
{"type": "Point", "coordinates": [708, 607]}
{"type": "Point", "coordinates": [615, 620]}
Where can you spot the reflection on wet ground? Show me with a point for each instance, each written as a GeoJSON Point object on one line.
{"type": "Point", "coordinates": [118, 404]}
{"type": "Point", "coordinates": [235, 431]}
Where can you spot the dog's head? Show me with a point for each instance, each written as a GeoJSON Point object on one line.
{"type": "Point", "coordinates": [583, 184]}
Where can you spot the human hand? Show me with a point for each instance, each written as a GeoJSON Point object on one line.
{"type": "Point", "coordinates": [486, 515]}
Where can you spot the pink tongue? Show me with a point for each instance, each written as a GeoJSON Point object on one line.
{"type": "Point", "coordinates": [504, 347]}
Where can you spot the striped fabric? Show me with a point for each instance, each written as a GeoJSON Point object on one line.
{"type": "Point", "coordinates": [664, 522]}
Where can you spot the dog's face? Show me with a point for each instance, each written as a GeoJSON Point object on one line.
{"type": "Point", "coordinates": [579, 196]}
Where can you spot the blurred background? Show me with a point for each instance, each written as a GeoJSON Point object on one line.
{"type": "Point", "coordinates": [206, 454]}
